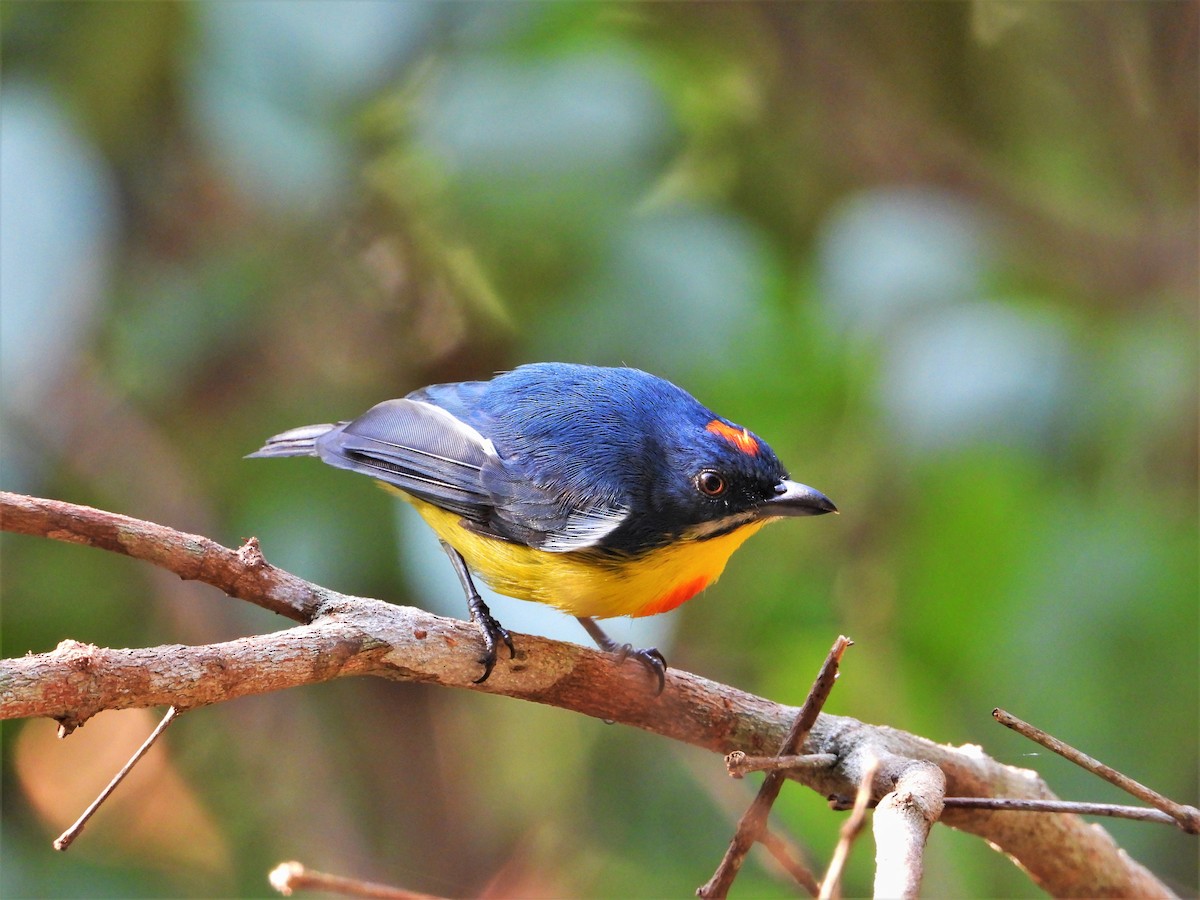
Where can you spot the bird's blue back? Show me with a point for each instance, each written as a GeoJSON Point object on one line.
{"type": "Point", "coordinates": [594, 433]}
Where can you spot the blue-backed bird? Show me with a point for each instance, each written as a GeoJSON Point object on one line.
{"type": "Point", "coordinates": [600, 491]}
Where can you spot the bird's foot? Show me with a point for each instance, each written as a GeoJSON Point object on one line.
{"type": "Point", "coordinates": [649, 657]}
{"type": "Point", "coordinates": [490, 630]}
{"type": "Point", "coordinates": [492, 633]}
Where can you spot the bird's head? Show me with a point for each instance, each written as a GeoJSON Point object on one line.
{"type": "Point", "coordinates": [693, 476]}
{"type": "Point", "coordinates": [717, 476]}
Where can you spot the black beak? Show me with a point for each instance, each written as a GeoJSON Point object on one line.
{"type": "Point", "coordinates": [795, 499]}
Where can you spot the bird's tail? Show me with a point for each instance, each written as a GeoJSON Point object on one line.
{"type": "Point", "coordinates": [300, 441]}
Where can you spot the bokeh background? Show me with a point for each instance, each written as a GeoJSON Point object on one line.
{"type": "Point", "coordinates": [942, 256]}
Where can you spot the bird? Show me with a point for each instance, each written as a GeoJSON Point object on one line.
{"type": "Point", "coordinates": [601, 491]}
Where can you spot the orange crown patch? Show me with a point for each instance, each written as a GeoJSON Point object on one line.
{"type": "Point", "coordinates": [740, 438]}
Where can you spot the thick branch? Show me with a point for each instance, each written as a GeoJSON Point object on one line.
{"type": "Point", "coordinates": [901, 824]}
{"type": "Point", "coordinates": [356, 636]}
{"type": "Point", "coordinates": [76, 681]}
{"type": "Point", "coordinates": [242, 573]}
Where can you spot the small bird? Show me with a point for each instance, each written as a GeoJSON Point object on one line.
{"type": "Point", "coordinates": [600, 491]}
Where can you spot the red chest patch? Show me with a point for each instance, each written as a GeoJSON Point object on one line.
{"type": "Point", "coordinates": [739, 437]}
{"type": "Point", "coordinates": [674, 597]}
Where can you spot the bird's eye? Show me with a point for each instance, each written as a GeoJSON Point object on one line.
{"type": "Point", "coordinates": [710, 483]}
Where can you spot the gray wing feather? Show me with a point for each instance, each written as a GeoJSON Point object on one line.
{"type": "Point", "coordinates": [417, 447]}
{"type": "Point", "coordinates": [431, 454]}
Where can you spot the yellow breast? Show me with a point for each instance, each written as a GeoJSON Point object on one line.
{"type": "Point", "coordinates": [584, 584]}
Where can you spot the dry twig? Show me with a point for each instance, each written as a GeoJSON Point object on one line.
{"type": "Point", "coordinates": [851, 828]}
{"type": "Point", "coordinates": [740, 765]}
{"type": "Point", "coordinates": [288, 877]}
{"type": "Point", "coordinates": [1187, 817]}
{"type": "Point", "coordinates": [64, 840]}
{"type": "Point", "coordinates": [754, 821]}
{"type": "Point", "coordinates": [1110, 810]}
{"type": "Point", "coordinates": [782, 848]}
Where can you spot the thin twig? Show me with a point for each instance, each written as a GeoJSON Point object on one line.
{"type": "Point", "coordinates": [1112, 810]}
{"type": "Point", "coordinates": [754, 821]}
{"type": "Point", "coordinates": [65, 839]}
{"type": "Point", "coordinates": [782, 847]}
{"type": "Point", "coordinates": [786, 855]}
{"type": "Point", "coordinates": [740, 765]}
{"type": "Point", "coordinates": [849, 831]}
{"type": "Point", "coordinates": [293, 876]}
{"type": "Point", "coordinates": [1186, 817]}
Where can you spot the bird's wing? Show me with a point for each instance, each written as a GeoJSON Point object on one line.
{"type": "Point", "coordinates": [558, 520]}
{"type": "Point", "coordinates": [420, 449]}
{"type": "Point", "coordinates": [433, 455]}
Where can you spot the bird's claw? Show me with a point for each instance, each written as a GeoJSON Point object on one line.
{"type": "Point", "coordinates": [492, 633]}
{"type": "Point", "coordinates": [648, 657]}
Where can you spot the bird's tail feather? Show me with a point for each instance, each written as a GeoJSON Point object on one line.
{"type": "Point", "coordinates": [300, 441]}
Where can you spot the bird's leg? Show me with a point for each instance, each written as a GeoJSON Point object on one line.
{"type": "Point", "coordinates": [650, 657]}
{"type": "Point", "coordinates": [491, 630]}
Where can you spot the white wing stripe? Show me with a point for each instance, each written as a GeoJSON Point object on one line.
{"type": "Point", "coordinates": [586, 529]}
{"type": "Point", "coordinates": [453, 422]}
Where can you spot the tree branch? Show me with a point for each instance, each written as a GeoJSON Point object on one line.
{"type": "Point", "coordinates": [242, 574]}
{"type": "Point", "coordinates": [901, 824]}
{"type": "Point", "coordinates": [344, 635]}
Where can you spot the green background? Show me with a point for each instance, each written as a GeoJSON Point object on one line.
{"type": "Point", "coordinates": [942, 256]}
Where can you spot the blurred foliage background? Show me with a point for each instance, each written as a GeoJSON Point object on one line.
{"type": "Point", "coordinates": [943, 256]}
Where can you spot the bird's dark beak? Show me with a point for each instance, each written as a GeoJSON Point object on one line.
{"type": "Point", "coordinates": [795, 499]}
